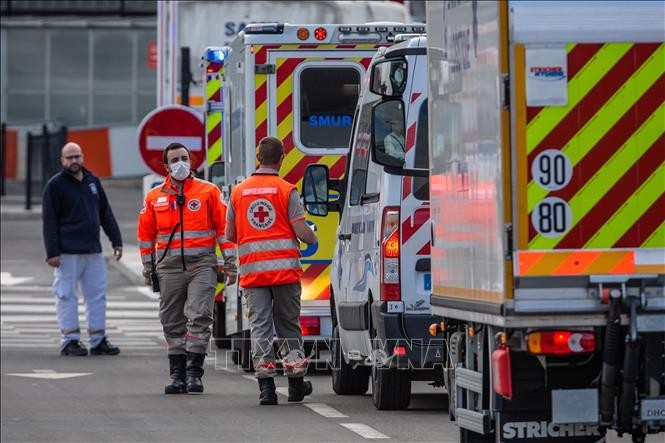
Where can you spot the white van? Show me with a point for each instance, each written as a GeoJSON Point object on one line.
{"type": "Point", "coordinates": [380, 278]}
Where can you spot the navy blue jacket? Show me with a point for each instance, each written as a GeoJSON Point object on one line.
{"type": "Point", "coordinates": [73, 211]}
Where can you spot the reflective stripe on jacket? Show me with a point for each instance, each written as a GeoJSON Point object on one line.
{"type": "Point", "coordinates": [203, 215]}
{"type": "Point", "coordinates": [268, 249]}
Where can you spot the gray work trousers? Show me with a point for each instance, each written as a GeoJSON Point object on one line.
{"type": "Point", "coordinates": [185, 308]}
{"type": "Point", "coordinates": [277, 305]}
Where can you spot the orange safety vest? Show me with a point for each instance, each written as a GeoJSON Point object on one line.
{"type": "Point", "coordinates": [268, 249]}
{"type": "Point", "coordinates": [228, 248]}
{"type": "Point", "coordinates": [203, 220]}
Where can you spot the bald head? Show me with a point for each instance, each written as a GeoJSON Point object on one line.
{"type": "Point", "coordinates": [71, 158]}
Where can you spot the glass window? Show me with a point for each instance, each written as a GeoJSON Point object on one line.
{"type": "Point", "coordinates": [70, 60]}
{"type": "Point", "coordinates": [112, 108]}
{"type": "Point", "coordinates": [326, 114]}
{"type": "Point", "coordinates": [70, 109]}
{"type": "Point", "coordinates": [360, 155]}
{"type": "Point", "coordinates": [421, 184]}
{"type": "Point", "coordinates": [113, 61]}
{"type": "Point", "coordinates": [389, 132]}
{"type": "Point", "coordinates": [25, 107]}
{"type": "Point", "coordinates": [26, 67]}
{"type": "Point", "coordinates": [147, 80]}
{"type": "Point", "coordinates": [146, 103]}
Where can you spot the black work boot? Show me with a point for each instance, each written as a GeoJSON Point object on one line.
{"type": "Point", "coordinates": [177, 366]}
{"type": "Point", "coordinates": [74, 348]}
{"type": "Point", "coordinates": [299, 388]}
{"type": "Point", "coordinates": [195, 372]}
{"type": "Point", "coordinates": [268, 394]}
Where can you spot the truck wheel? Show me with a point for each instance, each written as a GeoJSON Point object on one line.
{"type": "Point", "coordinates": [345, 379]}
{"type": "Point", "coordinates": [391, 388]}
{"type": "Point", "coordinates": [219, 326]}
{"type": "Point", "coordinates": [246, 352]}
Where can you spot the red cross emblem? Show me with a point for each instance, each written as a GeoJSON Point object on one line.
{"type": "Point", "coordinates": [261, 214]}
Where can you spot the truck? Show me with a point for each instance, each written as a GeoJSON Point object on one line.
{"type": "Point", "coordinates": [186, 28]}
{"type": "Point", "coordinates": [547, 199]}
{"type": "Point", "coordinates": [299, 83]}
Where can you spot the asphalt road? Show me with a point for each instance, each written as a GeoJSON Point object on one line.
{"type": "Point", "coordinates": [49, 398]}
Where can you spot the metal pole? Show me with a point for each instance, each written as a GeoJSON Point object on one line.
{"type": "Point", "coordinates": [46, 156]}
{"type": "Point", "coordinates": [28, 174]}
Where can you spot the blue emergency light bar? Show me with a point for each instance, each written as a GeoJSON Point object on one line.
{"type": "Point", "coordinates": [215, 55]}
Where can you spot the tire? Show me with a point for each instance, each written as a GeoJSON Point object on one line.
{"type": "Point", "coordinates": [219, 326]}
{"type": "Point", "coordinates": [391, 388]}
{"type": "Point", "coordinates": [345, 379]}
{"type": "Point", "coordinates": [246, 352]}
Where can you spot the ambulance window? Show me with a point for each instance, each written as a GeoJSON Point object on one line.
{"type": "Point", "coordinates": [360, 159]}
{"type": "Point", "coordinates": [326, 112]}
{"type": "Point", "coordinates": [421, 184]}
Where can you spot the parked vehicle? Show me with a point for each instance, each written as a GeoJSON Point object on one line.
{"type": "Point", "coordinates": [548, 209]}
{"type": "Point", "coordinates": [299, 83]}
{"type": "Point", "coordinates": [380, 277]}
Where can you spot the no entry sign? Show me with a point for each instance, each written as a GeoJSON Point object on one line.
{"type": "Point", "coordinates": [166, 125]}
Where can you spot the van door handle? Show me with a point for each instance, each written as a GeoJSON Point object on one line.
{"type": "Point", "coordinates": [344, 236]}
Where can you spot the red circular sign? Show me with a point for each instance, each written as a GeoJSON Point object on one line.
{"type": "Point", "coordinates": [168, 124]}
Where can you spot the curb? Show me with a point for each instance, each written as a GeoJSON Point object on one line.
{"type": "Point", "coordinates": [21, 213]}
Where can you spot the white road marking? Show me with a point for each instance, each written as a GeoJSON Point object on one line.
{"type": "Point", "coordinates": [52, 375]}
{"type": "Point", "coordinates": [325, 410]}
{"type": "Point", "coordinates": [148, 292]}
{"type": "Point", "coordinates": [364, 430]}
{"type": "Point", "coordinates": [7, 279]}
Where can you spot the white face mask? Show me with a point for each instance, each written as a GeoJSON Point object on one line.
{"type": "Point", "coordinates": [180, 170]}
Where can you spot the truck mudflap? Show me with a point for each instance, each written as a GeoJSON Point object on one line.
{"type": "Point", "coordinates": [516, 427]}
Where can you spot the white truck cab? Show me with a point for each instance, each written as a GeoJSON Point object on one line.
{"type": "Point", "coordinates": [380, 277]}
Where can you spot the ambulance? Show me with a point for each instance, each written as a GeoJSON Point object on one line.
{"type": "Point", "coordinates": [547, 197]}
{"type": "Point", "coordinates": [299, 83]}
{"type": "Point", "coordinates": [381, 276]}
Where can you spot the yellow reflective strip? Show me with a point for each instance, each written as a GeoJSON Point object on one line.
{"type": "Point", "coordinates": [549, 117]}
{"type": "Point", "coordinates": [285, 126]}
{"type": "Point", "coordinates": [657, 239]}
{"type": "Point", "coordinates": [316, 286]}
{"type": "Point", "coordinates": [214, 151]}
{"type": "Point", "coordinates": [605, 118]}
{"type": "Point", "coordinates": [212, 86]}
{"type": "Point", "coordinates": [212, 120]}
{"type": "Point", "coordinates": [609, 174]}
{"type": "Point", "coordinates": [290, 161]}
{"type": "Point", "coordinates": [630, 212]}
{"type": "Point", "coordinates": [285, 89]}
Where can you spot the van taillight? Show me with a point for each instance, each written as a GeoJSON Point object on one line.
{"type": "Point", "coordinates": [310, 325]}
{"type": "Point", "coordinates": [561, 342]}
{"type": "Point", "coordinates": [390, 253]}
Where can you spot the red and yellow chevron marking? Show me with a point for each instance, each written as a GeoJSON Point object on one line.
{"type": "Point", "coordinates": [316, 267]}
{"type": "Point", "coordinates": [213, 72]}
{"type": "Point", "coordinates": [539, 263]}
{"type": "Point", "coordinates": [612, 130]}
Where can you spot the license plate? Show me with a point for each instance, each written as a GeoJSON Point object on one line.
{"type": "Point", "coordinates": [427, 282]}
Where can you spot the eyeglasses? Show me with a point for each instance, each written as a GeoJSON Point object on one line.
{"type": "Point", "coordinates": [72, 157]}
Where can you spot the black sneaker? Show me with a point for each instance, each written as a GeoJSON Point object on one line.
{"type": "Point", "coordinates": [105, 348]}
{"type": "Point", "coordinates": [74, 348]}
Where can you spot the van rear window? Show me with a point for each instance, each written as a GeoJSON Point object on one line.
{"type": "Point", "coordinates": [328, 98]}
{"type": "Point", "coordinates": [421, 184]}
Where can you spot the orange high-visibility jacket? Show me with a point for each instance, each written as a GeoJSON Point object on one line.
{"type": "Point", "coordinates": [203, 220]}
{"type": "Point", "coordinates": [228, 248]}
{"type": "Point", "coordinates": [268, 249]}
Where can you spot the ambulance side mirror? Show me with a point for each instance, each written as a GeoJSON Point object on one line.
{"type": "Point", "coordinates": [315, 189]}
{"type": "Point", "coordinates": [389, 78]}
{"type": "Point", "coordinates": [216, 174]}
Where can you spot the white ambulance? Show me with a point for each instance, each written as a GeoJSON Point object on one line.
{"type": "Point", "coordinates": [299, 83]}
{"type": "Point", "coordinates": [380, 278]}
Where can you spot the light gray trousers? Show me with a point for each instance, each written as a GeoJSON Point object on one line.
{"type": "Point", "coordinates": [277, 305]}
{"type": "Point", "coordinates": [185, 308]}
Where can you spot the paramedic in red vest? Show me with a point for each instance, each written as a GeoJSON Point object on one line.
{"type": "Point", "coordinates": [266, 219]}
{"type": "Point", "coordinates": [179, 226]}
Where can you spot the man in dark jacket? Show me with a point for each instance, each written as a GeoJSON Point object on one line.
{"type": "Point", "coordinates": [74, 206]}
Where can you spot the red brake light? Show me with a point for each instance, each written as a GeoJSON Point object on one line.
{"type": "Point", "coordinates": [390, 255]}
{"type": "Point", "coordinates": [320, 33]}
{"type": "Point", "coordinates": [399, 350]}
{"type": "Point", "coordinates": [310, 325]}
{"type": "Point", "coordinates": [502, 377]}
{"type": "Point", "coordinates": [561, 342]}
